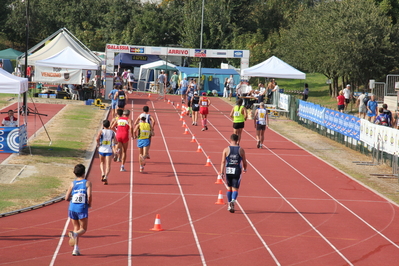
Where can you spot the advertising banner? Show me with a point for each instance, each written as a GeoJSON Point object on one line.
{"type": "Point", "coordinates": [12, 139]}
{"type": "Point", "coordinates": [386, 137]}
{"type": "Point", "coordinates": [58, 75]}
{"type": "Point", "coordinates": [284, 102]}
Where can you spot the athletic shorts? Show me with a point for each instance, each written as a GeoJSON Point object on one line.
{"type": "Point", "coordinates": [105, 153]}
{"type": "Point", "coordinates": [341, 107]}
{"type": "Point", "coordinates": [195, 107]}
{"type": "Point", "coordinates": [141, 143]}
{"type": "Point", "coordinates": [233, 180]}
{"type": "Point", "coordinates": [260, 127]}
{"type": "Point", "coordinates": [362, 109]}
{"type": "Point", "coordinates": [78, 215]}
{"type": "Point", "coordinates": [122, 139]}
{"type": "Point", "coordinates": [183, 91]}
{"type": "Point", "coordinates": [238, 125]}
{"type": "Point", "coordinates": [113, 104]}
{"type": "Point", "coordinates": [347, 100]}
{"type": "Point", "coordinates": [204, 110]}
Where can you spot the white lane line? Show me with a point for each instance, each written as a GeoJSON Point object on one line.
{"type": "Point", "coordinates": [59, 243]}
{"type": "Point", "coordinates": [181, 190]}
{"type": "Point", "coordinates": [130, 234]}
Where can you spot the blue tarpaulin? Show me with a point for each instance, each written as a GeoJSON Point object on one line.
{"type": "Point", "coordinates": [213, 77]}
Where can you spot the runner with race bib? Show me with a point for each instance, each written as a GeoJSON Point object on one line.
{"type": "Point", "coordinates": [204, 103]}
{"type": "Point", "coordinates": [261, 123]}
{"type": "Point", "coordinates": [233, 161]}
{"type": "Point", "coordinates": [195, 107]}
{"type": "Point", "coordinates": [239, 115]}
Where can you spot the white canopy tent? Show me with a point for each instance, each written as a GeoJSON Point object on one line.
{"type": "Point", "coordinates": [273, 68]}
{"type": "Point", "coordinates": [12, 84]}
{"type": "Point", "coordinates": [64, 67]}
{"type": "Point", "coordinates": [60, 42]}
{"type": "Point", "coordinates": [156, 66]}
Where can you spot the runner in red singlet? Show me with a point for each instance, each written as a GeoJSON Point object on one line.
{"type": "Point", "coordinates": [123, 134]}
{"type": "Point", "coordinates": [204, 104]}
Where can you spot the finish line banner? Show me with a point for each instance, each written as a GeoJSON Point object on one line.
{"type": "Point", "coordinates": [345, 124]}
{"type": "Point", "coordinates": [13, 139]}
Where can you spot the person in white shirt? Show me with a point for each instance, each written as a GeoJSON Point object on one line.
{"type": "Point", "coordinates": [262, 92]}
{"type": "Point", "coordinates": [347, 95]}
{"type": "Point", "coordinates": [10, 120]}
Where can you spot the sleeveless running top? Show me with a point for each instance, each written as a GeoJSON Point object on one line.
{"type": "Point", "coordinates": [79, 196]}
{"type": "Point", "coordinates": [118, 81]}
{"type": "Point", "coordinates": [121, 98]}
{"type": "Point", "coordinates": [233, 161]}
{"type": "Point", "coordinates": [238, 117]}
{"type": "Point", "coordinates": [190, 93]}
{"type": "Point", "coordinates": [204, 102]}
{"type": "Point", "coordinates": [145, 130]}
{"type": "Point", "coordinates": [123, 127]}
{"type": "Point", "coordinates": [261, 119]}
{"type": "Point", "coordinates": [106, 141]}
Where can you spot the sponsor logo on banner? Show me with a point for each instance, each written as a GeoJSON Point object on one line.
{"type": "Point", "coordinates": [178, 51]}
{"type": "Point", "coordinates": [200, 53]}
{"type": "Point", "coordinates": [137, 50]}
{"type": "Point", "coordinates": [238, 53]}
{"type": "Point", "coordinates": [155, 50]}
{"type": "Point", "coordinates": [118, 47]}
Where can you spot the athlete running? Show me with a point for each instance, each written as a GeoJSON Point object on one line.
{"type": "Point", "coordinates": [239, 115]}
{"type": "Point", "coordinates": [125, 130]}
{"type": "Point", "coordinates": [261, 123]}
{"type": "Point", "coordinates": [204, 110]}
{"type": "Point", "coordinates": [121, 97]}
{"type": "Point", "coordinates": [149, 119]}
{"type": "Point", "coordinates": [233, 160]}
{"type": "Point", "coordinates": [195, 108]}
{"type": "Point", "coordinates": [105, 143]}
{"type": "Point", "coordinates": [80, 196]}
{"type": "Point", "coordinates": [142, 132]}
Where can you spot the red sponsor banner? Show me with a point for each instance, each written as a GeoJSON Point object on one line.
{"type": "Point", "coordinates": [118, 48]}
{"type": "Point", "coordinates": [178, 51]}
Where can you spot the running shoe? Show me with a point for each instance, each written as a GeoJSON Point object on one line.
{"type": "Point", "coordinates": [203, 129]}
{"type": "Point", "coordinates": [76, 252]}
{"type": "Point", "coordinates": [102, 178]}
{"type": "Point", "coordinates": [231, 206]}
{"type": "Point", "coordinates": [71, 238]}
{"type": "Point", "coordinates": [193, 124]}
{"type": "Point", "coordinates": [105, 182]}
{"type": "Point", "coordinates": [123, 169]}
{"type": "Point", "coordinates": [148, 156]}
{"type": "Point", "coordinates": [206, 127]}
{"type": "Point", "coordinates": [196, 124]}
{"type": "Point", "coordinates": [258, 144]}
{"type": "Point", "coordinates": [141, 169]}
{"type": "Point", "coordinates": [115, 158]}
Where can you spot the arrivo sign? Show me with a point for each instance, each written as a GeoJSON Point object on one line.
{"type": "Point", "coordinates": [118, 47]}
{"type": "Point", "coordinates": [175, 51]}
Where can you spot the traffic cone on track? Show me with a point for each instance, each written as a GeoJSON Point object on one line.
{"type": "Point", "coordinates": [177, 106]}
{"type": "Point", "coordinates": [185, 131]}
{"type": "Point", "coordinates": [157, 224]}
{"type": "Point", "coordinates": [168, 101]}
{"type": "Point", "coordinates": [193, 138]}
{"type": "Point", "coordinates": [181, 118]}
{"type": "Point", "coordinates": [149, 95]}
{"type": "Point", "coordinates": [220, 198]}
{"type": "Point", "coordinates": [199, 149]}
{"type": "Point", "coordinates": [184, 123]}
{"type": "Point", "coordinates": [208, 161]}
{"type": "Point", "coordinates": [219, 180]}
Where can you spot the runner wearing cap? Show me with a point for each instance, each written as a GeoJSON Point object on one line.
{"type": "Point", "coordinates": [195, 107]}
{"type": "Point", "coordinates": [204, 104]}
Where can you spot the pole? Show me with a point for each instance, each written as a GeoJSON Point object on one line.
{"type": "Point", "coordinates": [202, 30]}
{"type": "Point", "coordinates": [24, 104]}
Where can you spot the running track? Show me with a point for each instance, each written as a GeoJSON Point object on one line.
{"type": "Point", "coordinates": [293, 208]}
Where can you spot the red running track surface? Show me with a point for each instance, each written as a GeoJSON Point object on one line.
{"type": "Point", "coordinates": [293, 208]}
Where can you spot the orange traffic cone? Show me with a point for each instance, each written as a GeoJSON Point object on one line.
{"type": "Point", "coordinates": [185, 131]}
{"type": "Point", "coordinates": [184, 123]}
{"type": "Point", "coordinates": [220, 198]}
{"type": "Point", "coordinates": [181, 118]}
{"type": "Point", "coordinates": [168, 101]}
{"type": "Point", "coordinates": [219, 180]}
{"type": "Point", "coordinates": [149, 95]}
{"type": "Point", "coordinates": [193, 138]}
{"type": "Point", "coordinates": [177, 106]}
{"type": "Point", "coordinates": [182, 107]}
{"type": "Point", "coordinates": [208, 161]}
{"type": "Point", "coordinates": [199, 149]}
{"type": "Point", "coordinates": [157, 224]}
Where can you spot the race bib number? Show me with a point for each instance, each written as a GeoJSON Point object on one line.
{"type": "Point", "coordinates": [79, 198]}
{"type": "Point", "coordinates": [145, 134]}
{"type": "Point", "coordinates": [121, 97]}
{"type": "Point", "coordinates": [236, 113]}
{"type": "Point", "coordinates": [196, 105]}
{"type": "Point", "coordinates": [204, 103]}
{"type": "Point", "coordinates": [262, 115]}
{"type": "Point", "coordinates": [122, 123]}
{"type": "Point", "coordinates": [106, 142]}
{"type": "Point", "coordinates": [230, 170]}
{"type": "Point", "coordinates": [262, 122]}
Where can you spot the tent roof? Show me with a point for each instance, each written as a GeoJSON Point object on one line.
{"type": "Point", "coordinates": [60, 42]}
{"type": "Point", "coordinates": [10, 53]}
{"type": "Point", "coordinates": [125, 60]}
{"type": "Point", "coordinates": [12, 84]}
{"type": "Point", "coordinates": [67, 58]}
{"type": "Point", "coordinates": [193, 71]}
{"type": "Point", "coordinates": [273, 68]}
{"type": "Point", "coordinates": [158, 65]}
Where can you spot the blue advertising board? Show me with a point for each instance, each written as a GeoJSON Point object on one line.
{"type": "Point", "coordinates": [13, 139]}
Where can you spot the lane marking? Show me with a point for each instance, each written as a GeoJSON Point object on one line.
{"type": "Point", "coordinates": [130, 234]}
{"type": "Point", "coordinates": [180, 189]}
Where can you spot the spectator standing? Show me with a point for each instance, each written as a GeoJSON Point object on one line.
{"type": "Point", "coordinates": [361, 103]}
{"type": "Point", "coordinates": [262, 92]}
{"type": "Point", "coordinates": [305, 93]}
{"type": "Point", "coordinates": [382, 119]}
{"type": "Point", "coordinates": [341, 101]}
{"type": "Point", "coordinates": [348, 95]}
{"type": "Point", "coordinates": [230, 84]}
{"type": "Point", "coordinates": [174, 79]}
{"type": "Point", "coordinates": [130, 79]}
{"type": "Point", "coordinates": [388, 114]}
{"type": "Point", "coordinates": [125, 75]}
{"type": "Point", "coordinates": [372, 106]}
{"type": "Point", "coordinates": [226, 88]}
